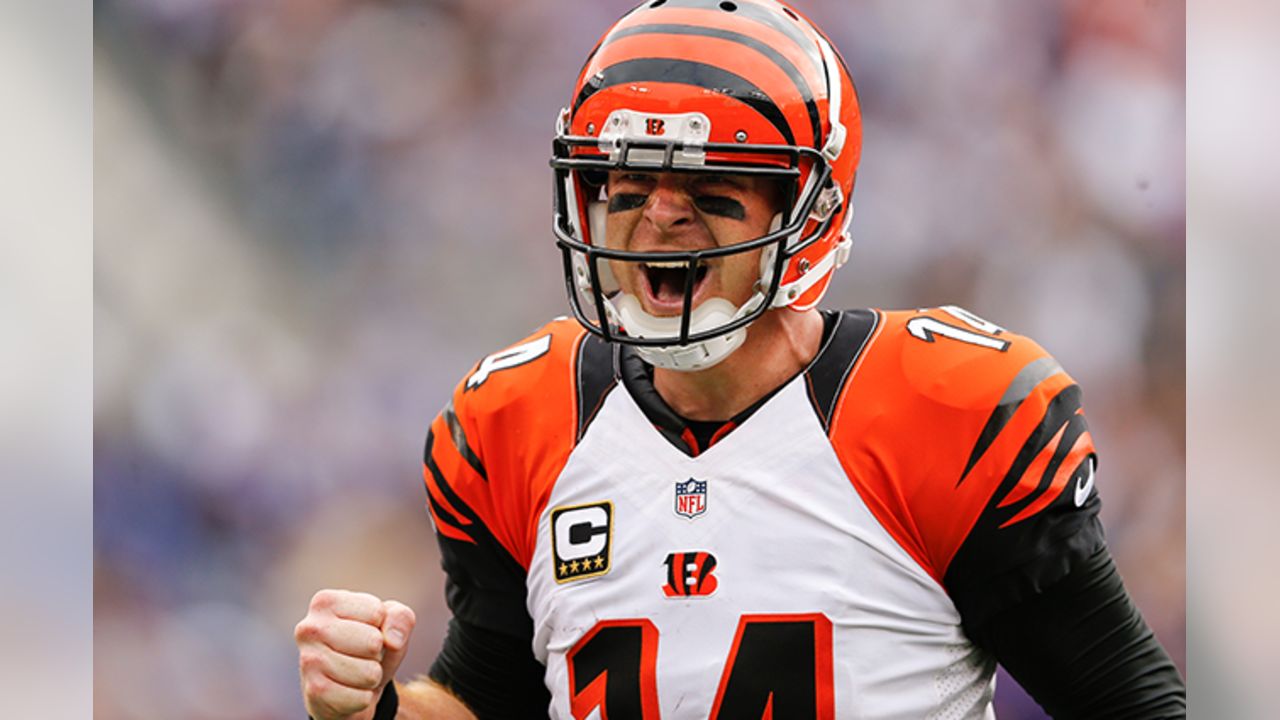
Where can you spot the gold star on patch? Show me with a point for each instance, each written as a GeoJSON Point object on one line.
{"type": "Point", "coordinates": [599, 561]}
{"type": "Point", "coordinates": [564, 569]}
{"type": "Point", "coordinates": [573, 566]}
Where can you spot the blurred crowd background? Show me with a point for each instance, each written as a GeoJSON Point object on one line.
{"type": "Point", "coordinates": [312, 216]}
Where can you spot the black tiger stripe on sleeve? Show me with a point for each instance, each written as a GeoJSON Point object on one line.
{"type": "Point", "coordinates": [487, 658]}
{"type": "Point", "coordinates": [1037, 524]}
{"type": "Point", "coordinates": [484, 583]}
{"type": "Point", "coordinates": [1026, 380]}
{"type": "Point", "coordinates": [1062, 421]}
{"type": "Point", "coordinates": [459, 436]}
{"type": "Point", "coordinates": [448, 511]}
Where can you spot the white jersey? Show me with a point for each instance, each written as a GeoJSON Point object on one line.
{"type": "Point", "coordinates": [816, 561]}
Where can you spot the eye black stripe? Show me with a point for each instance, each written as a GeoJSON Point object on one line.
{"type": "Point", "coordinates": [670, 70]}
{"type": "Point", "coordinates": [806, 93]}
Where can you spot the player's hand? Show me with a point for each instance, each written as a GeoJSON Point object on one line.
{"type": "Point", "coordinates": [349, 646]}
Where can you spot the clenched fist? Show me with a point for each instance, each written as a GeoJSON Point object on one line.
{"type": "Point", "coordinates": [349, 646]}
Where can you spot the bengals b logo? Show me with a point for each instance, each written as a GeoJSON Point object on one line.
{"type": "Point", "coordinates": [690, 573]}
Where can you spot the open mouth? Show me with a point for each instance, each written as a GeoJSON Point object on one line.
{"type": "Point", "coordinates": [665, 282]}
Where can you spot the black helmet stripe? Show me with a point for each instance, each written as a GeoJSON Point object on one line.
{"type": "Point", "coordinates": [603, 41]}
{"type": "Point", "coordinates": [670, 70]}
{"type": "Point", "coordinates": [802, 85]}
{"type": "Point", "coordinates": [752, 11]}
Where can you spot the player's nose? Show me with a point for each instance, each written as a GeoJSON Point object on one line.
{"type": "Point", "coordinates": [670, 207]}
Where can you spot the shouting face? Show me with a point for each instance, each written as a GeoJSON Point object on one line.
{"type": "Point", "coordinates": [657, 212]}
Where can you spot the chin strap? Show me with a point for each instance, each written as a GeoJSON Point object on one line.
{"type": "Point", "coordinates": [712, 313]}
{"type": "Point", "coordinates": [690, 358]}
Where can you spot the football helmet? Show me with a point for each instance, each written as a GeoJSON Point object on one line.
{"type": "Point", "coordinates": [748, 87]}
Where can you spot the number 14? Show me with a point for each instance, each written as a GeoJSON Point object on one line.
{"type": "Point", "coordinates": [925, 327]}
{"type": "Point", "coordinates": [779, 664]}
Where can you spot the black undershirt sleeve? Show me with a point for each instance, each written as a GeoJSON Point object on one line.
{"type": "Point", "coordinates": [487, 660]}
{"type": "Point", "coordinates": [1082, 650]}
{"type": "Point", "coordinates": [493, 673]}
{"type": "Point", "coordinates": [1035, 584]}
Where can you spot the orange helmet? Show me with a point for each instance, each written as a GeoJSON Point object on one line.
{"type": "Point", "coordinates": [742, 87]}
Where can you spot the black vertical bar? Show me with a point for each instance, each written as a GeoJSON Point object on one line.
{"type": "Point", "coordinates": [687, 309]}
{"type": "Point", "coordinates": [671, 572]}
{"type": "Point", "coordinates": [601, 316]}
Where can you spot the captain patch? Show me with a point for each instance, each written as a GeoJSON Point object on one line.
{"type": "Point", "coordinates": [581, 540]}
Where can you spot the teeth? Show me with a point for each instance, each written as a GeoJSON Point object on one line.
{"type": "Point", "coordinates": [668, 263]}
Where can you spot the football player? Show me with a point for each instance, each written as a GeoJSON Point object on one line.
{"type": "Point", "coordinates": [706, 498]}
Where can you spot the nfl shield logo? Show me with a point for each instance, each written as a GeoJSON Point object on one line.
{"type": "Point", "coordinates": [691, 498]}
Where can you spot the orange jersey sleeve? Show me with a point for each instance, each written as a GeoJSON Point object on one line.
{"type": "Point", "coordinates": [970, 446]}
{"type": "Point", "coordinates": [491, 458]}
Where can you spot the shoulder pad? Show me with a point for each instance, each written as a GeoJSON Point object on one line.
{"type": "Point", "coordinates": [956, 359]}
{"type": "Point", "coordinates": [944, 416]}
{"type": "Point", "coordinates": [498, 445]}
{"type": "Point", "coordinates": [523, 365]}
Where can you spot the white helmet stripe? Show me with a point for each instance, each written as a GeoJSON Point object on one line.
{"type": "Point", "coordinates": [835, 140]}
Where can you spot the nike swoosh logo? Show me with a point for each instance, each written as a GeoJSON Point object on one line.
{"type": "Point", "coordinates": [1084, 486]}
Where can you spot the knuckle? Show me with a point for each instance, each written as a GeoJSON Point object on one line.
{"type": "Point", "coordinates": [323, 599]}
{"type": "Point", "coordinates": [326, 708]}
{"type": "Point", "coordinates": [370, 604]}
{"type": "Point", "coordinates": [350, 702]}
{"type": "Point", "coordinates": [316, 686]}
{"type": "Point", "coordinates": [305, 630]}
{"type": "Point", "coordinates": [373, 643]}
{"type": "Point", "coordinates": [310, 662]}
{"type": "Point", "coordinates": [405, 610]}
{"type": "Point", "coordinates": [359, 701]}
{"type": "Point", "coordinates": [363, 641]}
{"type": "Point", "coordinates": [370, 675]}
